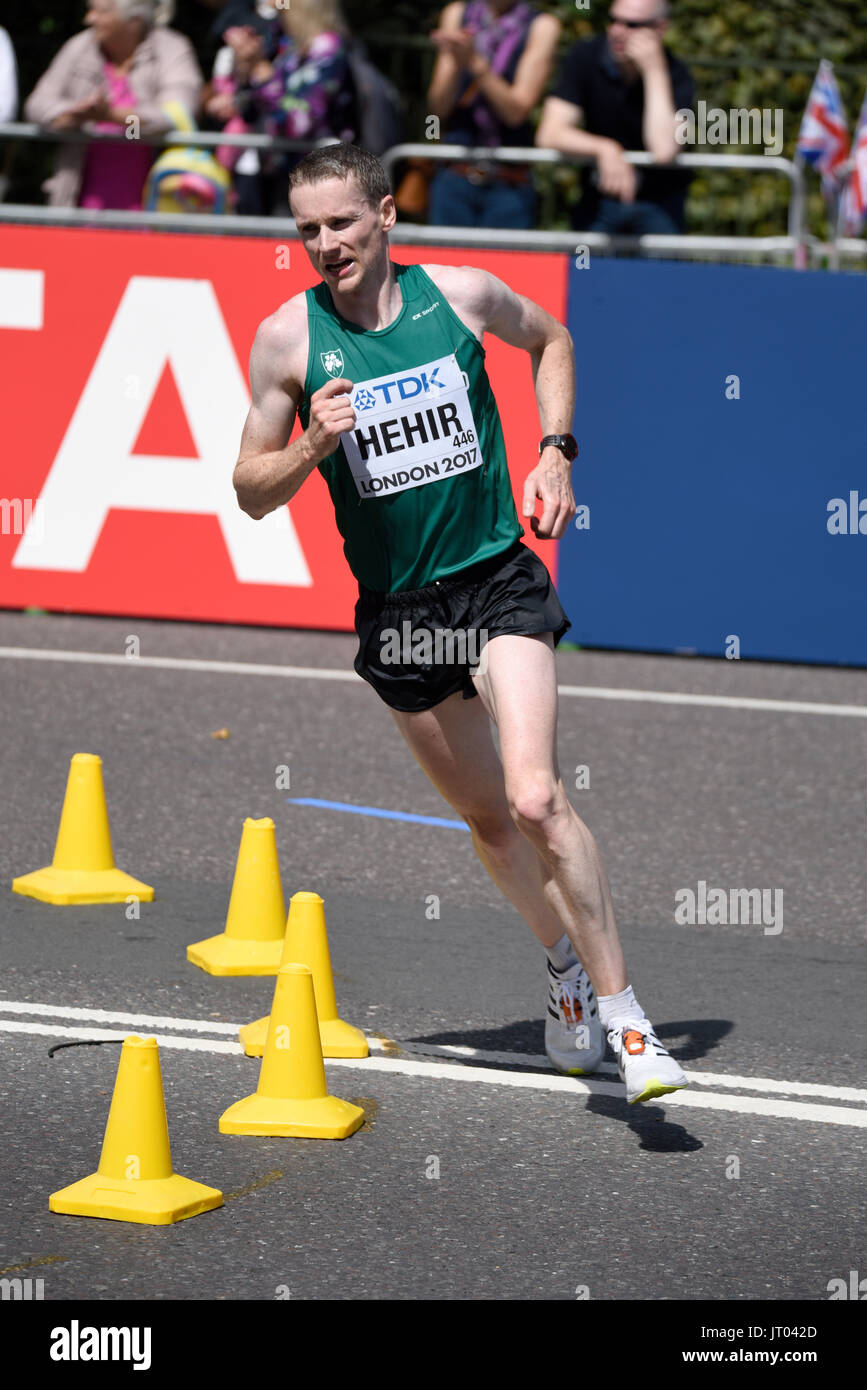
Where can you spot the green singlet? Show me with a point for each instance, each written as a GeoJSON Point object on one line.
{"type": "Point", "coordinates": [421, 485]}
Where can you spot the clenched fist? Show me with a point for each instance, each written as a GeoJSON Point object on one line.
{"type": "Point", "coordinates": [331, 415]}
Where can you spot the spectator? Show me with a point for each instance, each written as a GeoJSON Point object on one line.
{"type": "Point", "coordinates": [221, 99]}
{"type": "Point", "coordinates": [625, 87]}
{"type": "Point", "coordinates": [124, 65]}
{"type": "Point", "coordinates": [494, 61]}
{"type": "Point", "coordinates": [8, 79]}
{"type": "Point", "coordinates": [302, 91]}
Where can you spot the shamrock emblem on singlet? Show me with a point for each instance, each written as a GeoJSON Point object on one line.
{"type": "Point", "coordinates": [332, 361]}
{"type": "Point", "coordinates": [365, 399]}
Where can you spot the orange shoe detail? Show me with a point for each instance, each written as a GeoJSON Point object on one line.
{"type": "Point", "coordinates": [571, 1011]}
{"type": "Point", "coordinates": [633, 1043]}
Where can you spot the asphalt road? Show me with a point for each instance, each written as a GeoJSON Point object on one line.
{"type": "Point", "coordinates": [546, 1186]}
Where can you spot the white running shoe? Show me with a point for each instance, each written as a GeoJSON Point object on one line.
{"type": "Point", "coordinates": [643, 1062]}
{"type": "Point", "coordinates": [574, 1040]}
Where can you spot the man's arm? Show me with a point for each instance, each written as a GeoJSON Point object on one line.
{"type": "Point", "coordinates": [511, 101]}
{"type": "Point", "coordinates": [269, 471]}
{"type": "Point", "coordinates": [559, 129]}
{"type": "Point", "coordinates": [514, 101]}
{"type": "Point", "coordinates": [486, 304]}
{"type": "Point", "coordinates": [644, 47]}
{"type": "Point", "coordinates": [446, 75]}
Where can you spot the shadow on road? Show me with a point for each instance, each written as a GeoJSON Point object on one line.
{"type": "Point", "coordinates": [648, 1123]}
{"type": "Point", "coordinates": [701, 1036]}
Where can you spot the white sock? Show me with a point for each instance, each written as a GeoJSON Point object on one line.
{"type": "Point", "coordinates": [616, 1010]}
{"type": "Point", "coordinates": [562, 954]}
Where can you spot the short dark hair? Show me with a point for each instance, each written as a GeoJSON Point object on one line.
{"type": "Point", "coordinates": [338, 162]}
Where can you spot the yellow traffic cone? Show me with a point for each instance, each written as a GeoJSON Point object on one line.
{"type": "Point", "coordinates": [292, 1096]}
{"type": "Point", "coordinates": [306, 943]}
{"type": "Point", "coordinates": [83, 870]}
{"type": "Point", "coordinates": [253, 939]}
{"type": "Point", "coordinates": [134, 1180]}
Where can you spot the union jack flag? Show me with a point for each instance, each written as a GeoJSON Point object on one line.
{"type": "Point", "coordinates": [855, 192]}
{"type": "Point", "coordinates": [823, 140]}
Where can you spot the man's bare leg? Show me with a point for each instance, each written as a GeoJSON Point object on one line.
{"type": "Point", "coordinates": [561, 884]}
{"type": "Point", "coordinates": [453, 744]}
{"type": "Point", "coordinates": [519, 688]}
{"type": "Point", "coordinates": [557, 887]}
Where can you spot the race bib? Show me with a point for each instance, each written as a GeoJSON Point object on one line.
{"type": "Point", "coordinates": [412, 428]}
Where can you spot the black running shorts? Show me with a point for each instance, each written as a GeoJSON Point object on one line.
{"type": "Point", "coordinates": [418, 647]}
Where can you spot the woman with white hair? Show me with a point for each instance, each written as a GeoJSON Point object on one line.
{"type": "Point", "coordinates": [123, 72]}
{"type": "Point", "coordinates": [298, 87]}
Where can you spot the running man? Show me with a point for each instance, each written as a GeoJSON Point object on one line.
{"type": "Point", "coordinates": [384, 362]}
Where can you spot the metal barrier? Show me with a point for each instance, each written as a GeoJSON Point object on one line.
{"type": "Point", "coordinates": [515, 154]}
{"type": "Point", "coordinates": [852, 248]}
{"type": "Point", "coordinates": [797, 243]}
{"type": "Point", "coordinates": [501, 239]}
{"type": "Point", "coordinates": [210, 139]}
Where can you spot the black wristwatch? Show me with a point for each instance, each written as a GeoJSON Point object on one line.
{"type": "Point", "coordinates": [566, 443]}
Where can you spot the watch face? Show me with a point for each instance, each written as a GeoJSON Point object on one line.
{"type": "Point", "coordinates": [566, 443]}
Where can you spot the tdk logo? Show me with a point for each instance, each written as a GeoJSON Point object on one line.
{"type": "Point", "coordinates": [403, 388]}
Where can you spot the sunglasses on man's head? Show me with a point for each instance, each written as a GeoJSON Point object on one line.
{"type": "Point", "coordinates": [633, 23]}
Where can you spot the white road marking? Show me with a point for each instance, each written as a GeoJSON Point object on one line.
{"type": "Point", "coordinates": [702, 1100]}
{"type": "Point", "coordinates": [194, 1025]}
{"type": "Point", "coordinates": [380, 1044]}
{"type": "Point", "coordinates": [57, 1030]}
{"type": "Point", "coordinates": [698, 1078]}
{"type": "Point", "coordinates": [177, 663]}
{"type": "Point", "coordinates": [674, 697]}
{"type": "Point", "coordinates": [324, 673]}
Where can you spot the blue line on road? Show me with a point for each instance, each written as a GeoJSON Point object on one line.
{"type": "Point", "coordinates": [376, 811]}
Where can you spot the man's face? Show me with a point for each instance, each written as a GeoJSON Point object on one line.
{"type": "Point", "coordinates": [635, 12]}
{"type": "Point", "coordinates": [342, 234]}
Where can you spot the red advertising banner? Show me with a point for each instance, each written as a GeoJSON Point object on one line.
{"type": "Point", "coordinates": [123, 361]}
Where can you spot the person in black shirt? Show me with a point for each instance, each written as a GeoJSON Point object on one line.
{"type": "Point", "coordinates": [624, 89]}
